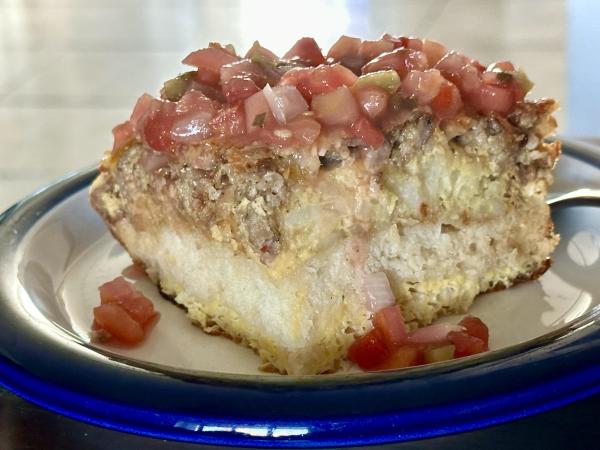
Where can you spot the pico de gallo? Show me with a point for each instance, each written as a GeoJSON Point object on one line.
{"type": "Point", "coordinates": [125, 316]}
{"type": "Point", "coordinates": [358, 90]}
{"type": "Point", "coordinates": [389, 345]}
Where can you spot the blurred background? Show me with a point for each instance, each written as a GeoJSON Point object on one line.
{"type": "Point", "coordinates": [72, 69]}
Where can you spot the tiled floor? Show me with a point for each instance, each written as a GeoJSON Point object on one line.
{"type": "Point", "coordinates": [71, 69]}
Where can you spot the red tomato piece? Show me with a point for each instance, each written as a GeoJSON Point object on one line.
{"type": "Point", "coordinates": [156, 126]}
{"type": "Point", "coordinates": [403, 41]}
{"type": "Point", "coordinates": [402, 357]}
{"type": "Point", "coordinates": [326, 79]}
{"type": "Point", "coordinates": [229, 122]}
{"type": "Point", "coordinates": [433, 50]}
{"type": "Point", "coordinates": [465, 344]}
{"type": "Point", "coordinates": [122, 293]}
{"type": "Point", "coordinates": [402, 60]}
{"type": "Point", "coordinates": [475, 327]}
{"type": "Point", "coordinates": [370, 134]}
{"type": "Point", "coordinates": [422, 86]}
{"type": "Point", "coordinates": [448, 102]}
{"type": "Point", "coordinates": [141, 108]}
{"type": "Point", "coordinates": [116, 321]}
{"type": "Point", "coordinates": [368, 351]}
{"type": "Point", "coordinates": [307, 50]}
{"type": "Point", "coordinates": [495, 99]}
{"type": "Point", "coordinates": [123, 134]}
{"type": "Point", "coordinates": [299, 77]}
{"type": "Point", "coordinates": [345, 51]}
{"type": "Point", "coordinates": [305, 130]}
{"type": "Point", "coordinates": [243, 69]}
{"type": "Point", "coordinates": [372, 49]}
{"type": "Point", "coordinates": [112, 291]}
{"type": "Point", "coordinates": [209, 62]}
{"type": "Point", "coordinates": [139, 307]}
{"type": "Point", "coordinates": [258, 53]}
{"type": "Point", "coordinates": [237, 89]}
{"type": "Point", "coordinates": [344, 46]}
{"type": "Point", "coordinates": [390, 324]}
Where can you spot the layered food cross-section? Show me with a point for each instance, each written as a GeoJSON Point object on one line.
{"type": "Point", "coordinates": [283, 201]}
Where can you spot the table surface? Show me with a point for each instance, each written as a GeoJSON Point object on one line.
{"type": "Point", "coordinates": [71, 69]}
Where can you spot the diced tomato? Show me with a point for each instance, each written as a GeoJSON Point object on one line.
{"type": "Point", "coordinates": [448, 102]}
{"type": "Point", "coordinates": [390, 324]}
{"type": "Point", "coordinates": [112, 291]}
{"type": "Point", "coordinates": [307, 50]}
{"type": "Point", "coordinates": [433, 50]}
{"type": "Point", "coordinates": [209, 62]}
{"type": "Point", "coordinates": [258, 54]}
{"type": "Point", "coordinates": [123, 134]}
{"type": "Point", "coordinates": [403, 41]}
{"type": "Point", "coordinates": [305, 130]}
{"type": "Point", "coordinates": [328, 78]}
{"type": "Point", "coordinates": [367, 132]}
{"type": "Point", "coordinates": [243, 69]}
{"type": "Point", "coordinates": [336, 108]}
{"type": "Point", "coordinates": [369, 351]}
{"type": "Point", "coordinates": [299, 77]}
{"type": "Point", "coordinates": [241, 79]}
{"type": "Point", "coordinates": [157, 125]}
{"type": "Point", "coordinates": [195, 101]}
{"type": "Point", "coordinates": [194, 112]}
{"type": "Point", "coordinates": [229, 122]}
{"type": "Point", "coordinates": [135, 270]}
{"type": "Point", "coordinates": [404, 356]}
{"type": "Point", "coordinates": [141, 108]}
{"type": "Point", "coordinates": [402, 60]}
{"type": "Point", "coordinates": [373, 101]}
{"type": "Point", "coordinates": [122, 293]}
{"type": "Point", "coordinates": [475, 327]}
{"type": "Point", "coordinates": [238, 88]}
{"type": "Point", "coordinates": [116, 321]}
{"type": "Point", "coordinates": [422, 86]}
{"type": "Point", "coordinates": [344, 46]}
{"type": "Point", "coordinates": [495, 99]}
{"type": "Point", "coordinates": [465, 344]}
{"type": "Point", "coordinates": [372, 49]}
{"type": "Point", "coordinates": [460, 70]}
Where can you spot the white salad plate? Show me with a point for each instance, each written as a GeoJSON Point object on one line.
{"type": "Point", "coordinates": [185, 385]}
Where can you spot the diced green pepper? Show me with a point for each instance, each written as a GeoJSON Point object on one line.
{"type": "Point", "coordinates": [523, 80]}
{"type": "Point", "coordinates": [438, 354]}
{"type": "Point", "coordinates": [174, 89]}
{"type": "Point", "coordinates": [388, 80]}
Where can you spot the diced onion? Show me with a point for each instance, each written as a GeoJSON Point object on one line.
{"type": "Point", "coordinates": [285, 102]}
{"type": "Point", "coordinates": [378, 290]}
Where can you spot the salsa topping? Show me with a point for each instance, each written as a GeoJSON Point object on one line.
{"type": "Point", "coordinates": [124, 316]}
{"type": "Point", "coordinates": [390, 346]}
{"type": "Point", "coordinates": [354, 91]}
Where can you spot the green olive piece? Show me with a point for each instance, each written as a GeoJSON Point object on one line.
{"type": "Point", "coordinates": [438, 354]}
{"type": "Point", "coordinates": [388, 80]}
